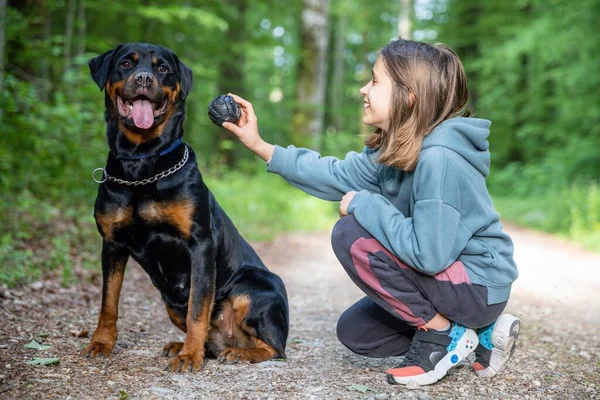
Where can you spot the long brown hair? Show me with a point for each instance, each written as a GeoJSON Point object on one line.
{"type": "Point", "coordinates": [429, 86]}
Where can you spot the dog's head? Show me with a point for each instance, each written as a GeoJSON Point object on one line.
{"type": "Point", "coordinates": [145, 85]}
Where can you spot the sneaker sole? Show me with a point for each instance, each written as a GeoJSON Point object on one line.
{"type": "Point", "coordinates": [449, 361]}
{"type": "Point", "coordinates": [504, 337]}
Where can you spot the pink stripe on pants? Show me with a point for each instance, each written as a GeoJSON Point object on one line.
{"type": "Point", "coordinates": [360, 251]}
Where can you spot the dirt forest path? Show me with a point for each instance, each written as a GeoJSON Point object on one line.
{"type": "Point", "coordinates": [556, 297]}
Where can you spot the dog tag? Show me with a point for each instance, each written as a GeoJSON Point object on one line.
{"type": "Point", "coordinates": [224, 109]}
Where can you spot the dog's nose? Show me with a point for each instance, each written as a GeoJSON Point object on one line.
{"type": "Point", "coordinates": [144, 79]}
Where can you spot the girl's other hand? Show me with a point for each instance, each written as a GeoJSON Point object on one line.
{"type": "Point", "coordinates": [247, 130]}
{"type": "Point", "coordinates": [345, 203]}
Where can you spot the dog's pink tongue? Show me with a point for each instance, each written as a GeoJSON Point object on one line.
{"type": "Point", "coordinates": [143, 116]}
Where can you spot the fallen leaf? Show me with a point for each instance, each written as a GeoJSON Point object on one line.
{"type": "Point", "coordinates": [360, 388]}
{"type": "Point", "coordinates": [80, 334]}
{"type": "Point", "coordinates": [43, 361]}
{"type": "Point", "coordinates": [36, 346]}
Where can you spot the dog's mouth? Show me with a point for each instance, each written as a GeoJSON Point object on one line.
{"type": "Point", "coordinates": [141, 110]}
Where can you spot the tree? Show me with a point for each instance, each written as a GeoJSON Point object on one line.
{"type": "Point", "coordinates": [231, 69]}
{"type": "Point", "coordinates": [308, 119]}
{"type": "Point", "coordinates": [68, 35]}
{"type": "Point", "coordinates": [405, 19]}
{"type": "Point", "coordinates": [2, 39]}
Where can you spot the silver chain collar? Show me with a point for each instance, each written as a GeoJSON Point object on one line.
{"type": "Point", "coordinates": [146, 181]}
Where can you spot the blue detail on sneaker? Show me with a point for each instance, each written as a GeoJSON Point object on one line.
{"type": "Point", "coordinates": [456, 333]}
{"type": "Point", "coordinates": [485, 336]}
{"type": "Point", "coordinates": [454, 359]}
{"type": "Point", "coordinates": [497, 343]}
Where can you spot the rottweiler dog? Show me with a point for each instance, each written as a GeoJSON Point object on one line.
{"type": "Point", "coordinates": [154, 206]}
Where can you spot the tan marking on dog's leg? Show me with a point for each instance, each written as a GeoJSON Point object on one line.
{"type": "Point", "coordinates": [105, 336]}
{"type": "Point", "coordinates": [113, 220]}
{"type": "Point", "coordinates": [179, 214]}
{"type": "Point", "coordinates": [176, 319]}
{"type": "Point", "coordinates": [192, 353]}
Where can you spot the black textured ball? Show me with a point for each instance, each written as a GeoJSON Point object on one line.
{"type": "Point", "coordinates": [224, 109]}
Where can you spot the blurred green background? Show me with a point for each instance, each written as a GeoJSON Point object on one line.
{"type": "Point", "coordinates": [533, 69]}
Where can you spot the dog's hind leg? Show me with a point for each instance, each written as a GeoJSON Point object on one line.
{"type": "Point", "coordinates": [252, 324]}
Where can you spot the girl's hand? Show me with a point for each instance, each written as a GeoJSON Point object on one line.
{"type": "Point", "coordinates": [247, 130]}
{"type": "Point", "coordinates": [345, 203]}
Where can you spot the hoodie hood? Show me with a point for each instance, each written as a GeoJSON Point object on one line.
{"type": "Point", "coordinates": [465, 136]}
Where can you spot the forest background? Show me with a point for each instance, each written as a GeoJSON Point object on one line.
{"type": "Point", "coordinates": [533, 69]}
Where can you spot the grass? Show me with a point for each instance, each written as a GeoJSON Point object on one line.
{"type": "Point", "coordinates": [571, 212]}
{"type": "Point", "coordinates": [265, 205]}
{"type": "Point", "coordinates": [43, 237]}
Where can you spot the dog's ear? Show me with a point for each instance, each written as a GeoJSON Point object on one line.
{"type": "Point", "coordinates": [185, 75]}
{"type": "Point", "coordinates": [100, 66]}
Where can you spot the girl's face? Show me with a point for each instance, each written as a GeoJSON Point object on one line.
{"type": "Point", "coordinates": [377, 95]}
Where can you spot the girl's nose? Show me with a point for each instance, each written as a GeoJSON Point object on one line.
{"type": "Point", "coordinates": [363, 90]}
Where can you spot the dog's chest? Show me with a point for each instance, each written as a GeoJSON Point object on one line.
{"type": "Point", "coordinates": [118, 223]}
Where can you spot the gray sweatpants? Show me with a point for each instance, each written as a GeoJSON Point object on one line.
{"type": "Point", "coordinates": [399, 297]}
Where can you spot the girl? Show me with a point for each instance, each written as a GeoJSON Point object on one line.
{"type": "Point", "coordinates": [419, 233]}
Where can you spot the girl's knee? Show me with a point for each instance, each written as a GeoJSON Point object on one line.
{"type": "Point", "coordinates": [348, 334]}
{"type": "Point", "coordinates": [344, 330]}
{"type": "Point", "coordinates": [369, 340]}
{"type": "Point", "coordinates": [345, 232]}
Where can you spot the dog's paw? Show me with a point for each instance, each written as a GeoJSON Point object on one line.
{"type": "Point", "coordinates": [186, 362]}
{"type": "Point", "coordinates": [234, 355]}
{"type": "Point", "coordinates": [96, 348]}
{"type": "Point", "coordinates": [172, 349]}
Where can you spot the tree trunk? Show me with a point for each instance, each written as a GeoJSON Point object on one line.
{"type": "Point", "coordinates": [2, 39]}
{"type": "Point", "coordinates": [68, 35]}
{"type": "Point", "coordinates": [81, 27]}
{"type": "Point", "coordinates": [307, 123]}
{"type": "Point", "coordinates": [44, 84]}
{"type": "Point", "coordinates": [231, 74]}
{"type": "Point", "coordinates": [405, 19]}
{"type": "Point", "coordinates": [337, 85]}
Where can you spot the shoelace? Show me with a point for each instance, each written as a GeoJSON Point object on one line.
{"type": "Point", "coordinates": [412, 357]}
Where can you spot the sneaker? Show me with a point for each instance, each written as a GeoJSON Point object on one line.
{"type": "Point", "coordinates": [496, 345]}
{"type": "Point", "coordinates": [432, 354]}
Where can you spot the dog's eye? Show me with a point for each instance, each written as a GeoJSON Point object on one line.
{"type": "Point", "coordinates": [163, 69]}
{"type": "Point", "coordinates": [126, 64]}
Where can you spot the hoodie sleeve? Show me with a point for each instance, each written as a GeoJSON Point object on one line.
{"type": "Point", "coordinates": [433, 238]}
{"type": "Point", "coordinates": [325, 177]}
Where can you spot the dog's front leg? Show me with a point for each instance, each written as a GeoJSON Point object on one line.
{"type": "Point", "coordinates": [114, 260]}
{"type": "Point", "coordinates": [200, 303]}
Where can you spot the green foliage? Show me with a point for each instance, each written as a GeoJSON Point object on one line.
{"type": "Point", "coordinates": [63, 140]}
{"type": "Point", "coordinates": [185, 15]}
{"type": "Point", "coordinates": [573, 212]}
{"type": "Point", "coordinates": [45, 237]}
{"type": "Point", "coordinates": [529, 66]}
{"type": "Point", "coordinates": [265, 205]}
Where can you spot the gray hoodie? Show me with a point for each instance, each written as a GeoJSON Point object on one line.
{"type": "Point", "coordinates": [429, 218]}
